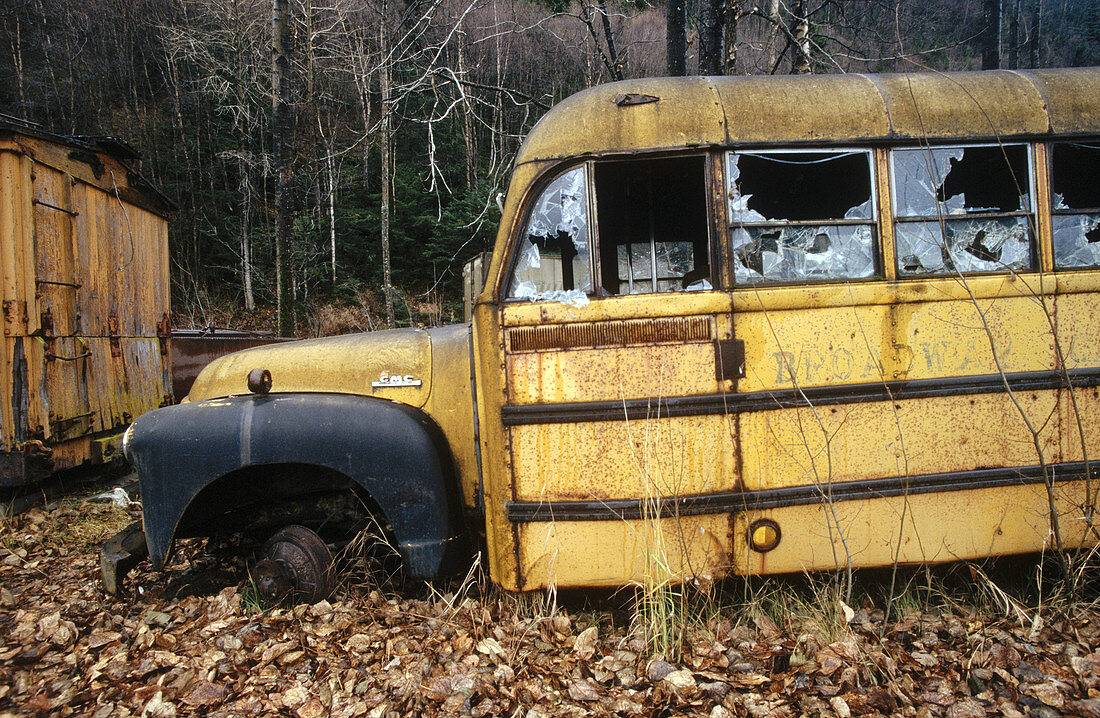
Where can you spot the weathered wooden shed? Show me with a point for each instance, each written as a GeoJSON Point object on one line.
{"type": "Point", "coordinates": [85, 292]}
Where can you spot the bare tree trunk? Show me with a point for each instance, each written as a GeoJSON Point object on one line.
{"type": "Point", "coordinates": [362, 84]}
{"type": "Point", "coordinates": [710, 38]}
{"type": "Point", "coordinates": [676, 38]}
{"type": "Point", "coordinates": [991, 35]}
{"type": "Point", "coordinates": [191, 249]}
{"type": "Point", "coordinates": [245, 159]}
{"type": "Point", "coordinates": [1035, 55]}
{"type": "Point", "coordinates": [17, 60]}
{"type": "Point", "coordinates": [615, 62]}
{"type": "Point", "coordinates": [468, 138]}
{"type": "Point", "coordinates": [246, 237]}
{"type": "Point", "coordinates": [72, 75]}
{"type": "Point", "coordinates": [800, 61]}
{"type": "Point", "coordinates": [280, 135]}
{"type": "Point", "coordinates": [387, 171]}
{"type": "Point", "coordinates": [610, 58]}
{"type": "Point", "coordinates": [332, 212]}
{"type": "Point", "coordinates": [729, 52]}
{"type": "Point", "coordinates": [591, 74]}
{"type": "Point", "coordinates": [328, 146]}
{"type": "Point", "coordinates": [771, 59]}
{"type": "Point", "coordinates": [322, 187]}
{"type": "Point", "coordinates": [1014, 36]}
{"type": "Point", "coordinates": [496, 151]}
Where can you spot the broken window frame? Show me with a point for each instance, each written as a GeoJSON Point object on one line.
{"type": "Point", "coordinates": [652, 247]}
{"type": "Point", "coordinates": [587, 284]}
{"type": "Point", "coordinates": [1070, 212]}
{"type": "Point", "coordinates": [943, 218]}
{"type": "Point", "coordinates": [870, 222]}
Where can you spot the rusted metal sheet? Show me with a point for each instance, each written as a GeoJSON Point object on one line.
{"type": "Point", "coordinates": [83, 264]}
{"type": "Point", "coordinates": [599, 461]}
{"type": "Point", "coordinates": [799, 109]}
{"type": "Point", "coordinates": [393, 364]}
{"type": "Point", "coordinates": [192, 349]}
{"type": "Point", "coordinates": [590, 336]}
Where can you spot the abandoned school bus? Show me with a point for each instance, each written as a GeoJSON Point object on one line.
{"type": "Point", "coordinates": [731, 325]}
{"type": "Point", "coordinates": [84, 271]}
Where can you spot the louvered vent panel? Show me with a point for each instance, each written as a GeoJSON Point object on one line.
{"type": "Point", "coordinates": [621, 333]}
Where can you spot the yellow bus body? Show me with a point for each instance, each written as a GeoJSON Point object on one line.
{"type": "Point", "coordinates": [889, 419]}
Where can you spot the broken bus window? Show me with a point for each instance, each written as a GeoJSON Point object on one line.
{"type": "Point", "coordinates": [653, 227]}
{"type": "Point", "coordinates": [801, 216]}
{"type": "Point", "coordinates": [553, 262]}
{"type": "Point", "coordinates": [962, 209]}
{"type": "Point", "coordinates": [1075, 185]}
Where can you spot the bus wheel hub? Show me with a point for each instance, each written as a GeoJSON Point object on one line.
{"type": "Point", "coordinates": [295, 560]}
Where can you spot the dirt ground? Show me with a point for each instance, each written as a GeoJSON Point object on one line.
{"type": "Point", "coordinates": [470, 650]}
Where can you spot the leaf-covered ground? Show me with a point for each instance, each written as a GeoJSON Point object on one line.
{"type": "Point", "coordinates": [68, 649]}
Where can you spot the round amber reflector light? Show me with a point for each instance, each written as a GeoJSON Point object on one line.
{"type": "Point", "coordinates": [764, 535]}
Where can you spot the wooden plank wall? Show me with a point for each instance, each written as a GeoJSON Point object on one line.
{"type": "Point", "coordinates": [85, 289]}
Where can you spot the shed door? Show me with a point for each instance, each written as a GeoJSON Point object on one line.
{"type": "Point", "coordinates": [62, 383]}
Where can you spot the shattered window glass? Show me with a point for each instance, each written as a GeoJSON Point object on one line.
{"type": "Point", "coordinates": [962, 209]}
{"type": "Point", "coordinates": [801, 216]}
{"type": "Point", "coordinates": [553, 262]}
{"type": "Point", "coordinates": [672, 261]}
{"type": "Point", "coordinates": [1075, 186]}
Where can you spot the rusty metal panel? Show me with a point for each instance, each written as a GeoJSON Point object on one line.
{"type": "Point", "coordinates": [829, 445]}
{"type": "Point", "coordinates": [689, 112]}
{"type": "Point", "coordinates": [1080, 419]}
{"type": "Point", "coordinates": [596, 334]}
{"type": "Point", "coordinates": [622, 347]}
{"type": "Point", "coordinates": [1078, 319]}
{"type": "Point", "coordinates": [631, 347]}
{"type": "Point", "coordinates": [451, 404]}
{"type": "Point", "coordinates": [611, 553]}
{"type": "Point", "coordinates": [612, 373]}
{"type": "Point", "coordinates": [962, 104]}
{"type": "Point", "coordinates": [1079, 343]}
{"type": "Point", "coordinates": [349, 364]}
{"type": "Point", "coordinates": [799, 109]}
{"type": "Point", "coordinates": [594, 461]}
{"type": "Point", "coordinates": [829, 107]}
{"type": "Point", "coordinates": [1071, 98]}
{"type": "Point", "coordinates": [193, 350]}
{"type": "Point", "coordinates": [872, 342]}
{"type": "Point", "coordinates": [487, 345]}
{"type": "Point", "coordinates": [931, 527]}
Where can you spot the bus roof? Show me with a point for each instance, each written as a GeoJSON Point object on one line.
{"type": "Point", "coordinates": [679, 112]}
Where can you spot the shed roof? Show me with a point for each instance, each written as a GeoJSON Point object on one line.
{"type": "Point", "coordinates": [85, 146]}
{"type": "Point", "coordinates": [677, 112]}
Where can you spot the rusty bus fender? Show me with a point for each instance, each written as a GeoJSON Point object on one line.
{"type": "Point", "coordinates": [393, 451]}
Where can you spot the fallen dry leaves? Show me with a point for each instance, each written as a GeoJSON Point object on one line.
{"type": "Point", "coordinates": [67, 649]}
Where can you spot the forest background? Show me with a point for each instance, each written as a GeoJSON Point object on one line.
{"type": "Point", "coordinates": [328, 155]}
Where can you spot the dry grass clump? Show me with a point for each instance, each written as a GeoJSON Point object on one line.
{"type": "Point", "coordinates": [363, 314]}
{"type": "Point", "coordinates": [74, 526]}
